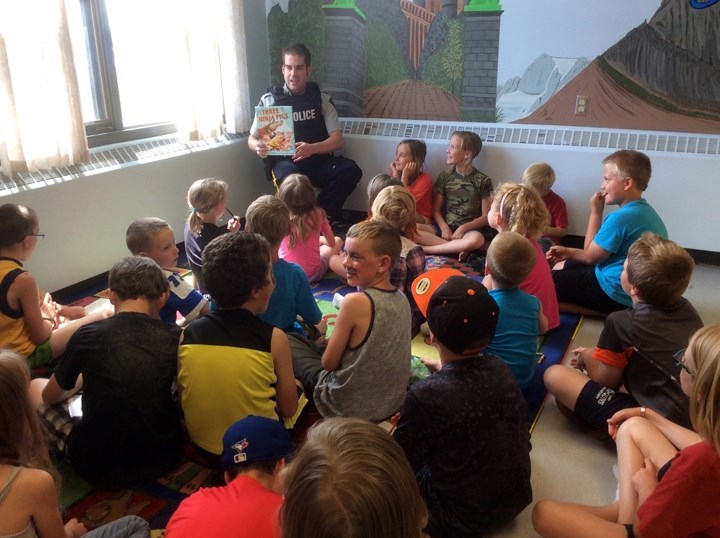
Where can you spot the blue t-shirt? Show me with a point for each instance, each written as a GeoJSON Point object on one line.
{"type": "Point", "coordinates": [291, 298]}
{"type": "Point", "coordinates": [619, 230]}
{"type": "Point", "coordinates": [515, 340]}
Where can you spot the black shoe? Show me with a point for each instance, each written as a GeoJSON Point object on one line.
{"type": "Point", "coordinates": [477, 263]}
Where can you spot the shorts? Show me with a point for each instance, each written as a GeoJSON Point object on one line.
{"type": "Point", "coordinates": [321, 271]}
{"type": "Point", "coordinates": [577, 284]}
{"type": "Point", "coordinates": [42, 355]}
{"type": "Point", "coordinates": [59, 423]}
{"type": "Point", "coordinates": [597, 403]}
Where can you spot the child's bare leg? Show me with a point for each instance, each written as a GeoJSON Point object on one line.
{"type": "Point", "coordinates": [38, 385]}
{"type": "Point", "coordinates": [330, 250]}
{"type": "Point", "coordinates": [569, 520]}
{"type": "Point", "coordinates": [60, 336]}
{"type": "Point", "coordinates": [637, 439]}
{"type": "Point", "coordinates": [468, 242]}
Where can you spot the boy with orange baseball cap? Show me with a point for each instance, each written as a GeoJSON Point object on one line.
{"type": "Point", "coordinates": [464, 428]}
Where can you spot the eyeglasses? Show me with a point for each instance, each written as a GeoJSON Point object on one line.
{"type": "Point", "coordinates": [679, 359]}
{"type": "Point", "coordinates": [41, 236]}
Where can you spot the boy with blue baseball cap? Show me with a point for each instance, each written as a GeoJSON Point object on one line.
{"type": "Point", "coordinates": [254, 452]}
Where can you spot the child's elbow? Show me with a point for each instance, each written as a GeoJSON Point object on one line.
{"type": "Point", "coordinates": [288, 408]}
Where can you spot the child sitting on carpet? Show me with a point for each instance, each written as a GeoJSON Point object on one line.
{"type": "Point", "coordinates": [378, 183]}
{"type": "Point", "coordinates": [28, 480]}
{"type": "Point", "coordinates": [311, 242]}
{"type": "Point", "coordinates": [231, 364]}
{"type": "Point", "coordinates": [541, 177]}
{"type": "Point", "coordinates": [292, 296]}
{"type": "Point", "coordinates": [509, 261]}
{"type": "Point", "coordinates": [30, 322]}
{"type": "Point", "coordinates": [350, 479]}
{"type": "Point", "coordinates": [254, 452]}
{"type": "Point", "coordinates": [520, 209]}
{"type": "Point", "coordinates": [396, 205]}
{"type": "Point", "coordinates": [636, 347]}
{"type": "Point", "coordinates": [462, 201]}
{"type": "Point", "coordinates": [130, 426]}
{"type": "Point", "coordinates": [408, 168]}
{"type": "Point", "coordinates": [206, 199]}
{"type": "Point", "coordinates": [365, 367]}
{"type": "Point", "coordinates": [154, 238]}
{"type": "Point", "coordinates": [669, 475]}
{"type": "Point", "coordinates": [464, 428]}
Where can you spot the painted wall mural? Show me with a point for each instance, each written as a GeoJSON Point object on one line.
{"type": "Point", "coordinates": [646, 64]}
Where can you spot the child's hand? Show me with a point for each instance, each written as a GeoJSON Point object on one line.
{"type": "Point", "coordinates": [597, 202]}
{"type": "Point", "coordinates": [445, 232]}
{"type": "Point", "coordinates": [408, 173]}
{"type": "Point", "coordinates": [234, 224]}
{"type": "Point", "coordinates": [645, 479]}
{"type": "Point", "coordinates": [394, 172]}
{"type": "Point", "coordinates": [577, 361]}
{"type": "Point", "coordinates": [619, 417]}
{"type": "Point", "coordinates": [556, 254]}
{"type": "Point", "coordinates": [74, 529]}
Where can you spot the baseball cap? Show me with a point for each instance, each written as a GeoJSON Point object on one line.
{"type": "Point", "coordinates": [460, 313]}
{"type": "Point", "coordinates": [254, 439]}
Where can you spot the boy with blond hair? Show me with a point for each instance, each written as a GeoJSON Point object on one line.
{"type": "Point", "coordinates": [637, 346]}
{"type": "Point", "coordinates": [541, 177]}
{"type": "Point", "coordinates": [587, 280]}
{"type": "Point", "coordinates": [510, 258]}
{"type": "Point", "coordinates": [154, 238]}
{"type": "Point", "coordinates": [365, 368]}
{"type": "Point", "coordinates": [292, 297]}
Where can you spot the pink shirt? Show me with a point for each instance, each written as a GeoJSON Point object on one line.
{"type": "Point", "coordinates": [307, 253]}
{"type": "Point", "coordinates": [540, 284]}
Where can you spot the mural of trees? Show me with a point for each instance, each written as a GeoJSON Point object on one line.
{"type": "Point", "coordinates": [304, 22]}
{"type": "Point", "coordinates": [385, 59]}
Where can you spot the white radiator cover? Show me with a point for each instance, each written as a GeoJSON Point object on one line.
{"type": "Point", "coordinates": [684, 187]}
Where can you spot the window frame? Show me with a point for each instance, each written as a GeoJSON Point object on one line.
{"type": "Point", "coordinates": [105, 90]}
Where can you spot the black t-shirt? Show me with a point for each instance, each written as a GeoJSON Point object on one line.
{"type": "Point", "coordinates": [130, 429]}
{"type": "Point", "coordinates": [465, 432]}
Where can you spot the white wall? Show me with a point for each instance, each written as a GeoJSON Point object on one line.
{"type": "Point", "coordinates": [85, 219]}
{"type": "Point", "coordinates": [684, 189]}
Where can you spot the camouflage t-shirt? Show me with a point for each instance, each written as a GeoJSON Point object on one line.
{"type": "Point", "coordinates": [463, 195]}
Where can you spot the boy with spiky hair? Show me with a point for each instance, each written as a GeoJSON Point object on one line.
{"type": "Point", "coordinates": [365, 367]}
{"type": "Point", "coordinates": [637, 346]}
{"type": "Point", "coordinates": [154, 238]}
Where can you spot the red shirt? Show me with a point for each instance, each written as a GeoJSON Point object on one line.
{"type": "Point", "coordinates": [242, 508]}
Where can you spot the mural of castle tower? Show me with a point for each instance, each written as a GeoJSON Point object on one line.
{"type": "Point", "coordinates": [345, 56]}
{"type": "Point", "coordinates": [481, 47]}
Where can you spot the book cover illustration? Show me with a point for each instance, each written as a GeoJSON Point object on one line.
{"type": "Point", "coordinates": [276, 129]}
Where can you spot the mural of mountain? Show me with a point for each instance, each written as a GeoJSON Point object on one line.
{"type": "Point", "coordinates": [520, 96]}
{"type": "Point", "coordinates": [663, 75]}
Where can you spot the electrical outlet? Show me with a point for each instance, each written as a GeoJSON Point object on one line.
{"type": "Point", "coordinates": [581, 105]}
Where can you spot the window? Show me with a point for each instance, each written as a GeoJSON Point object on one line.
{"type": "Point", "coordinates": [127, 60]}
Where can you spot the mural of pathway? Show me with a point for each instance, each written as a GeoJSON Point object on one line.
{"type": "Point", "coordinates": [411, 99]}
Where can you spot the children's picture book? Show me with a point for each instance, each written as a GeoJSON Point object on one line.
{"type": "Point", "coordinates": [276, 129]}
